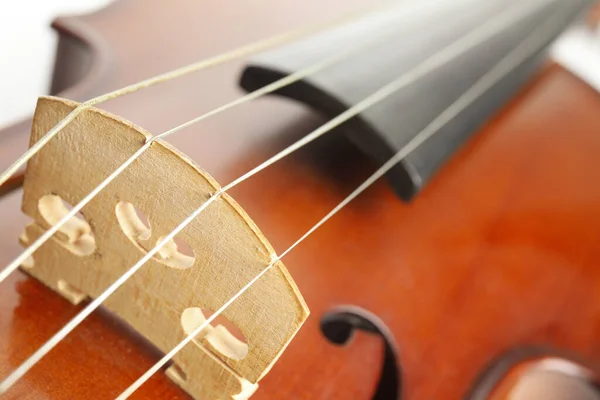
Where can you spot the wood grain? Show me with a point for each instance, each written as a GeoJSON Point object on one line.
{"type": "Point", "coordinates": [500, 250]}
{"type": "Point", "coordinates": [227, 249]}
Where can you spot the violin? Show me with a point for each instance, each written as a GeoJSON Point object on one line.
{"type": "Point", "coordinates": [342, 200]}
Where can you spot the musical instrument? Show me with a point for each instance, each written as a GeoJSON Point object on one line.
{"type": "Point", "coordinates": [467, 270]}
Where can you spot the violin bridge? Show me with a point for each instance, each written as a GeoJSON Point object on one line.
{"type": "Point", "coordinates": [207, 263]}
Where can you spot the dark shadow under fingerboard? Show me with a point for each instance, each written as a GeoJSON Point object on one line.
{"type": "Point", "coordinates": [385, 45]}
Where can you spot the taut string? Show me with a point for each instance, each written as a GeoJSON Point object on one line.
{"type": "Point", "coordinates": [503, 68]}
{"type": "Point", "coordinates": [280, 83]}
{"type": "Point", "coordinates": [475, 37]}
{"type": "Point", "coordinates": [188, 69]}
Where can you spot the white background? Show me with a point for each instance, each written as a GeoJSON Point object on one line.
{"type": "Point", "coordinates": [27, 48]}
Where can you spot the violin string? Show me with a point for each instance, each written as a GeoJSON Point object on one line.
{"type": "Point", "coordinates": [413, 75]}
{"type": "Point", "coordinates": [288, 80]}
{"type": "Point", "coordinates": [270, 88]}
{"type": "Point", "coordinates": [278, 84]}
{"type": "Point", "coordinates": [477, 36]}
{"type": "Point", "coordinates": [506, 65]}
{"type": "Point", "coordinates": [188, 69]}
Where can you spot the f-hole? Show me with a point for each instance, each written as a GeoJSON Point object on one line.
{"type": "Point", "coordinates": [532, 373]}
{"type": "Point", "coordinates": [340, 324]}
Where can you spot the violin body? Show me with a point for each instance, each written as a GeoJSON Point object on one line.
{"type": "Point", "coordinates": [497, 255]}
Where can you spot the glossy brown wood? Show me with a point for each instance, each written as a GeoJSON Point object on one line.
{"type": "Point", "coordinates": [500, 250]}
{"type": "Point", "coordinates": [13, 142]}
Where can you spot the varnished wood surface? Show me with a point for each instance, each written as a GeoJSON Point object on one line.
{"type": "Point", "coordinates": [501, 250]}
{"type": "Point", "coordinates": [14, 142]}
